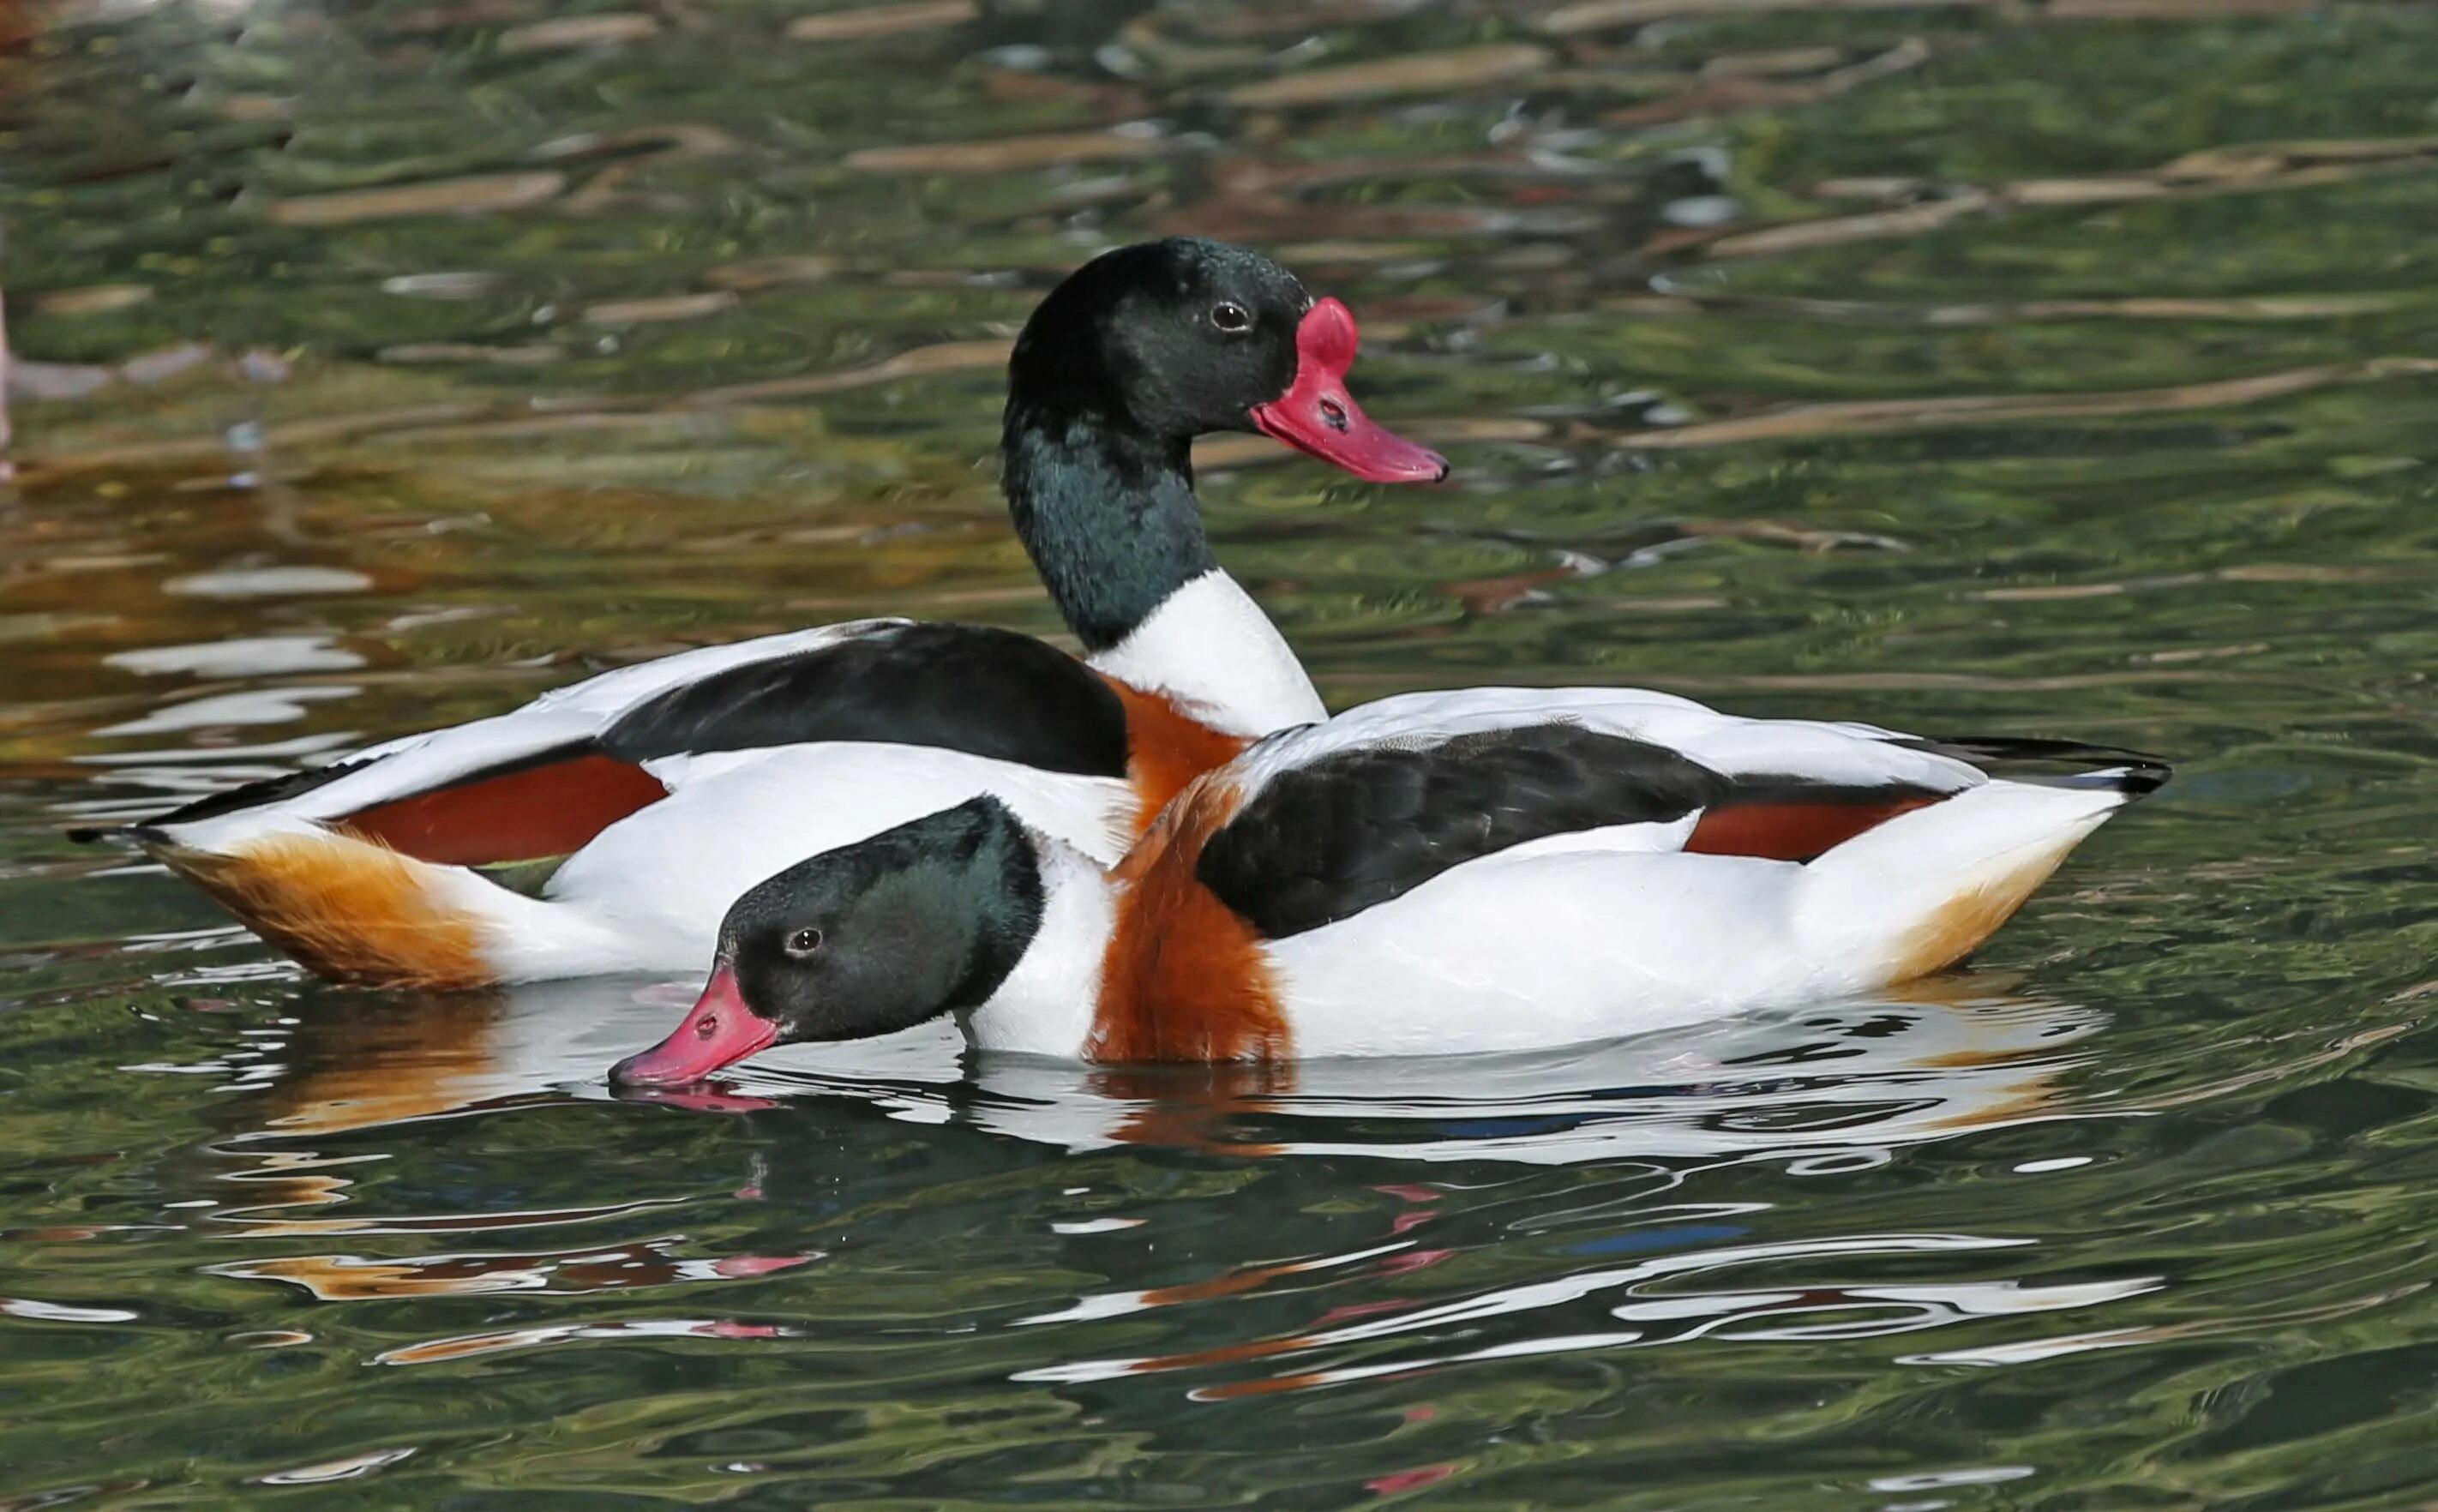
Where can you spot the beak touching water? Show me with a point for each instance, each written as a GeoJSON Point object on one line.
{"type": "Point", "coordinates": [719, 1031]}
{"type": "Point", "coordinates": [1318, 416]}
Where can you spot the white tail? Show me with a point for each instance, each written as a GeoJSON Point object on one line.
{"type": "Point", "coordinates": [1924, 889]}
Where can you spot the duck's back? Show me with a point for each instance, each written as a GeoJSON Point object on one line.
{"type": "Point", "coordinates": [1506, 868]}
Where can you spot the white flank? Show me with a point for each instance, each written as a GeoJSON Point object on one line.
{"type": "Point", "coordinates": [1868, 897]}
{"type": "Point", "coordinates": [1532, 948]}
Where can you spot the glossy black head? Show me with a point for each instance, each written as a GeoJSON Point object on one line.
{"type": "Point", "coordinates": [919, 921]}
{"type": "Point", "coordinates": [916, 921]}
{"type": "Point", "coordinates": [1165, 339]}
{"type": "Point", "coordinates": [1136, 353]}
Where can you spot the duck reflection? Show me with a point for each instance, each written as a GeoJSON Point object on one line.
{"type": "Point", "coordinates": [609, 1268]}
{"type": "Point", "coordinates": [340, 1064]}
{"type": "Point", "coordinates": [354, 1062]}
{"type": "Point", "coordinates": [1443, 1245]}
{"type": "Point", "coordinates": [365, 1060]}
{"type": "Point", "coordinates": [1836, 1081]}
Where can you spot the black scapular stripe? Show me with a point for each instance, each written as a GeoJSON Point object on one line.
{"type": "Point", "coordinates": [2055, 762]}
{"type": "Point", "coordinates": [968, 688]}
{"type": "Point", "coordinates": [1326, 841]}
{"type": "Point", "coordinates": [212, 805]}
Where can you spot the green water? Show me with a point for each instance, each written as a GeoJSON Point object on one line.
{"type": "Point", "coordinates": [2065, 369]}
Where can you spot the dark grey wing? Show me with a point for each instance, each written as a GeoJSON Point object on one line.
{"type": "Point", "coordinates": [1351, 831]}
{"type": "Point", "coordinates": [968, 688]}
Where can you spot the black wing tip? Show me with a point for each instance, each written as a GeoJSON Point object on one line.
{"type": "Point", "coordinates": [246, 796]}
{"type": "Point", "coordinates": [145, 834]}
{"type": "Point", "coordinates": [2131, 772]}
{"type": "Point", "coordinates": [2143, 775]}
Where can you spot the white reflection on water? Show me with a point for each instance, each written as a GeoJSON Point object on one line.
{"type": "Point", "coordinates": [268, 582]}
{"type": "Point", "coordinates": [1833, 1086]}
{"type": "Point", "coordinates": [1862, 1312]}
{"type": "Point", "coordinates": [253, 655]}
{"type": "Point", "coordinates": [258, 706]}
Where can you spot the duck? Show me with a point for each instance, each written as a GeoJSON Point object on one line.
{"type": "Point", "coordinates": [605, 826]}
{"type": "Point", "coordinates": [1475, 871]}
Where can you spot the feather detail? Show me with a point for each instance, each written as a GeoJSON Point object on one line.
{"type": "Point", "coordinates": [348, 907]}
{"type": "Point", "coordinates": [1184, 978]}
{"type": "Point", "coordinates": [1797, 829]}
{"type": "Point", "coordinates": [525, 814]}
{"type": "Point", "coordinates": [1167, 749]}
{"type": "Point", "coordinates": [1958, 927]}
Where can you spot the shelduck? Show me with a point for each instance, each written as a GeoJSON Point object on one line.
{"type": "Point", "coordinates": [608, 825]}
{"type": "Point", "coordinates": [1495, 869]}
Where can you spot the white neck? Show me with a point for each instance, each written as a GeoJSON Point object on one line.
{"type": "Point", "coordinates": [1047, 1003]}
{"type": "Point", "coordinates": [1213, 651]}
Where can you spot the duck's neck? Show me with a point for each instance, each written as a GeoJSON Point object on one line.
{"type": "Point", "coordinates": [1110, 520]}
{"type": "Point", "coordinates": [1047, 1003]}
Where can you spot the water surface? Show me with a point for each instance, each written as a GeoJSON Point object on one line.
{"type": "Point", "coordinates": [2063, 369]}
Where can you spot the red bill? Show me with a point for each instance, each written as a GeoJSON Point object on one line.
{"type": "Point", "coordinates": [1316, 415]}
{"type": "Point", "coordinates": [719, 1031]}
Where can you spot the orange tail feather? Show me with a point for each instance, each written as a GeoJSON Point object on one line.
{"type": "Point", "coordinates": [346, 907]}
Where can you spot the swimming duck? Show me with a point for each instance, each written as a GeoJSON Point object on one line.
{"type": "Point", "coordinates": [608, 825]}
{"type": "Point", "coordinates": [1496, 869]}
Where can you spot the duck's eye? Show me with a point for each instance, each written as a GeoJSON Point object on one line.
{"type": "Point", "coordinates": [1231, 317]}
{"type": "Point", "coordinates": [803, 941]}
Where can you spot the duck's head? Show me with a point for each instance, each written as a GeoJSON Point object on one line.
{"type": "Point", "coordinates": [916, 921]}
{"type": "Point", "coordinates": [1172, 339]}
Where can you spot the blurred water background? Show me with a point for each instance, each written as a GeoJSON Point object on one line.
{"type": "Point", "coordinates": [2037, 368]}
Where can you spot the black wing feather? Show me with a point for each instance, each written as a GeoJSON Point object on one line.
{"type": "Point", "coordinates": [212, 805]}
{"type": "Point", "coordinates": [2027, 759]}
{"type": "Point", "coordinates": [1324, 842]}
{"type": "Point", "coordinates": [968, 688]}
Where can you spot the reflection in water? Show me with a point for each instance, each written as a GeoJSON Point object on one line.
{"type": "Point", "coordinates": [256, 656]}
{"type": "Point", "coordinates": [269, 706]}
{"type": "Point", "coordinates": [355, 1278]}
{"type": "Point", "coordinates": [438, 1351]}
{"type": "Point", "coordinates": [1664, 1123]}
{"type": "Point", "coordinates": [1674, 1311]}
{"type": "Point", "coordinates": [1833, 1084]}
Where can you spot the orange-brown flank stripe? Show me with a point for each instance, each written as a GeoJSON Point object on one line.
{"type": "Point", "coordinates": [1183, 978]}
{"type": "Point", "coordinates": [543, 811]}
{"type": "Point", "coordinates": [1790, 831]}
{"type": "Point", "coordinates": [1166, 749]}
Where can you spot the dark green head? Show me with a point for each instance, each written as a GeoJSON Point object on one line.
{"type": "Point", "coordinates": [1163, 340]}
{"type": "Point", "coordinates": [872, 938]}
{"type": "Point", "coordinates": [1138, 352]}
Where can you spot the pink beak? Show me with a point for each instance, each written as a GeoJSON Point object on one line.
{"type": "Point", "coordinates": [1316, 415]}
{"type": "Point", "coordinates": [719, 1031]}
